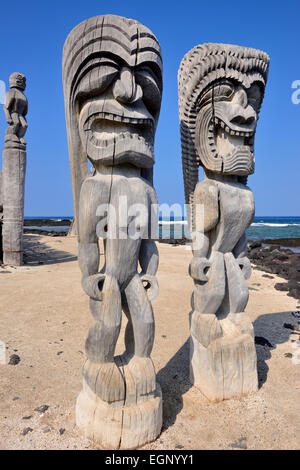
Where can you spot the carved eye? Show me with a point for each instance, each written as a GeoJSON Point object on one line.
{"type": "Point", "coordinates": [254, 96]}
{"type": "Point", "coordinates": [221, 91]}
{"type": "Point", "coordinates": [147, 79]}
{"type": "Point", "coordinates": [103, 71]}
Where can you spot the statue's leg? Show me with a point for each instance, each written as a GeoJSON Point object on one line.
{"type": "Point", "coordinates": [120, 404]}
{"type": "Point", "coordinates": [100, 371]}
{"type": "Point", "coordinates": [141, 315]}
{"type": "Point", "coordinates": [13, 129]}
{"type": "Point", "coordinates": [206, 329]}
{"type": "Point", "coordinates": [140, 333]}
{"type": "Point", "coordinates": [129, 336]}
{"type": "Point", "coordinates": [223, 353]}
{"type": "Point", "coordinates": [22, 129]}
{"type": "Point", "coordinates": [240, 356]}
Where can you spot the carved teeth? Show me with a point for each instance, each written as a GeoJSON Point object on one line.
{"type": "Point", "coordinates": [115, 117]}
{"type": "Point", "coordinates": [228, 130]}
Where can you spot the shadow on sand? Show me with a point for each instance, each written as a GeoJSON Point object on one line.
{"type": "Point", "coordinates": [270, 330]}
{"type": "Point", "coordinates": [38, 253]}
{"type": "Point", "coordinates": [174, 382]}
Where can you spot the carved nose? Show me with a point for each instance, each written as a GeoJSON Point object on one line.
{"type": "Point", "coordinates": [125, 88]}
{"type": "Point", "coordinates": [245, 118]}
{"type": "Point", "coordinates": [244, 113]}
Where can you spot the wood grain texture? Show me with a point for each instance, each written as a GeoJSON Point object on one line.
{"type": "Point", "coordinates": [112, 75]}
{"type": "Point", "coordinates": [221, 88]}
{"type": "Point", "coordinates": [122, 424]}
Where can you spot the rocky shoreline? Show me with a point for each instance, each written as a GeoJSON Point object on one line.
{"type": "Point", "coordinates": [273, 257]}
{"type": "Point", "coordinates": [49, 233]}
{"type": "Point", "coordinates": [45, 222]}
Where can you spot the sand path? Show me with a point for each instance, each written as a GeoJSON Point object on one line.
{"type": "Point", "coordinates": [44, 319]}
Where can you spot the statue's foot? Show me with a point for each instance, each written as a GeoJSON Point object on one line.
{"type": "Point", "coordinates": [227, 368]}
{"type": "Point", "coordinates": [143, 374]}
{"type": "Point", "coordinates": [12, 138]}
{"type": "Point", "coordinates": [242, 322]}
{"type": "Point", "coordinates": [105, 380]}
{"type": "Point", "coordinates": [119, 425]}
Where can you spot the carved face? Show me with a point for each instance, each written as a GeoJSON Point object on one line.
{"type": "Point", "coordinates": [17, 80]}
{"type": "Point", "coordinates": [226, 125]}
{"type": "Point", "coordinates": [117, 123]}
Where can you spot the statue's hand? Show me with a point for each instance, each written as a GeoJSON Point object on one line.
{"type": "Point", "coordinates": [92, 285]}
{"type": "Point", "coordinates": [9, 121]}
{"type": "Point", "coordinates": [150, 285]}
{"type": "Point", "coordinates": [245, 266]}
{"type": "Point", "coordinates": [198, 268]}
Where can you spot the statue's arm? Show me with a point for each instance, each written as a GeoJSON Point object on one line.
{"type": "Point", "coordinates": [8, 104]}
{"type": "Point", "coordinates": [26, 108]}
{"type": "Point", "coordinates": [240, 249]}
{"type": "Point", "coordinates": [88, 249]}
{"type": "Point", "coordinates": [148, 260]}
{"type": "Point", "coordinates": [148, 256]}
{"type": "Point", "coordinates": [206, 199]}
{"type": "Point", "coordinates": [240, 253]}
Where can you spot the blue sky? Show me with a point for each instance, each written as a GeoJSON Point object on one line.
{"type": "Point", "coordinates": [32, 35]}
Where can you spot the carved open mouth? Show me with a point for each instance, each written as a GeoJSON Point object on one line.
{"type": "Point", "coordinates": [108, 127]}
{"type": "Point", "coordinates": [233, 143]}
{"type": "Point", "coordinates": [226, 138]}
{"type": "Point", "coordinates": [238, 129]}
{"type": "Point", "coordinates": [105, 128]}
{"type": "Point", "coordinates": [115, 139]}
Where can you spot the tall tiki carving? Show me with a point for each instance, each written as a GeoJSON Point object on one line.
{"type": "Point", "coordinates": [112, 76]}
{"type": "Point", "coordinates": [221, 88]}
{"type": "Point", "coordinates": [13, 170]}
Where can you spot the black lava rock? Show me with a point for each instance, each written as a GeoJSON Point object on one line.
{"type": "Point", "coordinates": [42, 408]}
{"type": "Point", "coordinates": [14, 360]}
{"type": "Point", "coordinates": [263, 341]}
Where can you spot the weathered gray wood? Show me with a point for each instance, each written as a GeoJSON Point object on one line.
{"type": "Point", "coordinates": [112, 75]}
{"type": "Point", "coordinates": [13, 171]}
{"type": "Point", "coordinates": [221, 89]}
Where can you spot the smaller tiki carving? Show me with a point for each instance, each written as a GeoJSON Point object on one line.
{"type": "Point", "coordinates": [221, 88]}
{"type": "Point", "coordinates": [112, 74]}
{"type": "Point", "coordinates": [14, 167]}
{"type": "Point", "coordinates": [15, 108]}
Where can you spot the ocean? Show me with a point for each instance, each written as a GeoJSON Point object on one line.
{"type": "Point", "coordinates": [262, 227]}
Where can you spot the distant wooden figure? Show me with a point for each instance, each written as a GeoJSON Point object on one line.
{"type": "Point", "coordinates": [15, 108]}
{"type": "Point", "coordinates": [112, 76]}
{"type": "Point", "coordinates": [221, 88]}
{"type": "Point", "coordinates": [13, 171]}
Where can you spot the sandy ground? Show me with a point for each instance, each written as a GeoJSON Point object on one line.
{"type": "Point", "coordinates": [45, 319]}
